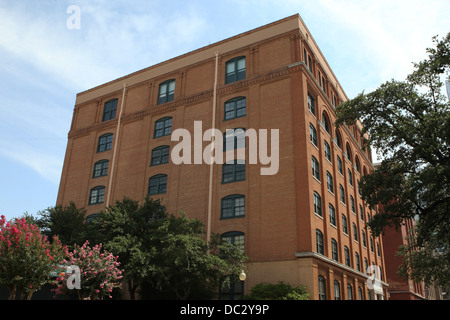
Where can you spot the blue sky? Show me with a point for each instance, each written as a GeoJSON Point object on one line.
{"type": "Point", "coordinates": [44, 64]}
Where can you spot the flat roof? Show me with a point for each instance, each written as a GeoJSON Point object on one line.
{"type": "Point", "coordinates": [267, 31]}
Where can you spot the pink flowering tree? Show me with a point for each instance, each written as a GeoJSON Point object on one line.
{"type": "Point", "coordinates": [99, 273]}
{"type": "Point", "coordinates": [27, 258]}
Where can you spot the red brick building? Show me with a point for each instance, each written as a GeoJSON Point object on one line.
{"type": "Point", "coordinates": [306, 224]}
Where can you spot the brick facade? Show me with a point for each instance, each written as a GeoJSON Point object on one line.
{"type": "Point", "coordinates": [279, 225]}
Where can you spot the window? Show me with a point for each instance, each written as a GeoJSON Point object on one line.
{"type": "Point", "coordinates": [342, 193]}
{"type": "Point", "coordinates": [366, 265]}
{"type": "Point", "coordinates": [378, 249]}
{"type": "Point", "coordinates": [334, 250]}
{"type": "Point", "coordinates": [348, 153]}
{"type": "Point", "coordinates": [233, 207]}
{"type": "Point", "coordinates": [360, 293]}
{"type": "Point", "coordinates": [236, 238]}
{"type": "Point", "coordinates": [327, 151]}
{"type": "Point", "coordinates": [337, 290]}
{"type": "Point", "coordinates": [361, 213]}
{"type": "Point", "coordinates": [97, 195]}
{"type": "Point", "coordinates": [371, 244]}
{"type": "Point", "coordinates": [363, 234]}
{"type": "Point", "coordinates": [92, 217]}
{"type": "Point", "coordinates": [163, 127]}
{"type": "Point", "coordinates": [315, 168]}
{"type": "Point", "coordinates": [313, 134]}
{"type": "Point", "coordinates": [350, 177]}
{"type": "Point", "coordinates": [322, 288]}
{"type": "Point", "coordinates": [157, 184]}
{"type": "Point", "coordinates": [330, 184]}
{"type": "Point", "coordinates": [311, 104]}
{"type": "Point", "coordinates": [166, 91]}
{"type": "Point", "coordinates": [355, 232]}
{"type": "Point", "coordinates": [326, 123]}
{"type": "Point", "coordinates": [352, 203]}
{"type": "Point", "coordinates": [349, 292]}
{"type": "Point", "coordinates": [235, 108]}
{"type": "Point", "coordinates": [235, 70]}
{"type": "Point", "coordinates": [358, 263]}
{"type": "Point", "coordinates": [338, 140]}
{"type": "Point", "coordinates": [105, 142]}
{"type": "Point", "coordinates": [319, 242]}
{"type": "Point", "coordinates": [332, 214]}
{"type": "Point", "coordinates": [339, 164]}
{"type": "Point", "coordinates": [109, 110]}
{"type": "Point", "coordinates": [234, 139]}
{"type": "Point", "coordinates": [100, 169]}
{"type": "Point", "coordinates": [347, 256]}
{"type": "Point", "coordinates": [160, 155]}
{"type": "Point", "coordinates": [344, 224]}
{"type": "Point", "coordinates": [317, 204]}
{"type": "Point", "coordinates": [233, 171]}
{"type": "Point", "coordinates": [357, 166]}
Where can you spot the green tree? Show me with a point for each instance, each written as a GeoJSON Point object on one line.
{"type": "Point", "coordinates": [163, 253]}
{"type": "Point", "coordinates": [66, 222]}
{"type": "Point", "coordinates": [408, 122]}
{"type": "Point", "coordinates": [279, 291]}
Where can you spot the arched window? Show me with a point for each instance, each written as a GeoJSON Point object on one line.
{"type": "Point", "coordinates": [330, 184]}
{"type": "Point", "coordinates": [163, 127]}
{"type": "Point", "coordinates": [160, 155]}
{"type": "Point", "coordinates": [344, 224]}
{"type": "Point", "coordinates": [236, 238]}
{"type": "Point", "coordinates": [322, 288]}
{"type": "Point", "coordinates": [157, 184]}
{"type": "Point", "coordinates": [349, 292]}
{"type": "Point", "coordinates": [315, 168]}
{"type": "Point", "coordinates": [337, 290]}
{"type": "Point", "coordinates": [326, 122]}
{"type": "Point", "coordinates": [233, 206]}
{"type": "Point", "coordinates": [105, 142]}
{"type": "Point", "coordinates": [358, 263]}
{"type": "Point", "coordinates": [235, 108]}
{"type": "Point", "coordinates": [327, 151]}
{"type": "Point", "coordinates": [317, 204]}
{"type": "Point", "coordinates": [332, 212]}
{"type": "Point", "coordinates": [100, 169]}
{"type": "Point", "coordinates": [334, 250]}
{"type": "Point", "coordinates": [319, 242]}
{"type": "Point", "coordinates": [348, 153]}
{"type": "Point", "coordinates": [347, 256]}
{"type": "Point", "coordinates": [97, 195]}
{"type": "Point", "coordinates": [338, 139]}
{"type": "Point", "coordinates": [109, 110]}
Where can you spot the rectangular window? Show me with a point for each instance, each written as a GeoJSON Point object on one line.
{"type": "Point", "coordinates": [109, 111]}
{"type": "Point", "coordinates": [311, 104]}
{"type": "Point", "coordinates": [235, 70]}
{"type": "Point", "coordinates": [233, 171]}
{"type": "Point", "coordinates": [166, 91]}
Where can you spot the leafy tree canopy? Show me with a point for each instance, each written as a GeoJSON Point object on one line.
{"type": "Point", "coordinates": [408, 122]}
